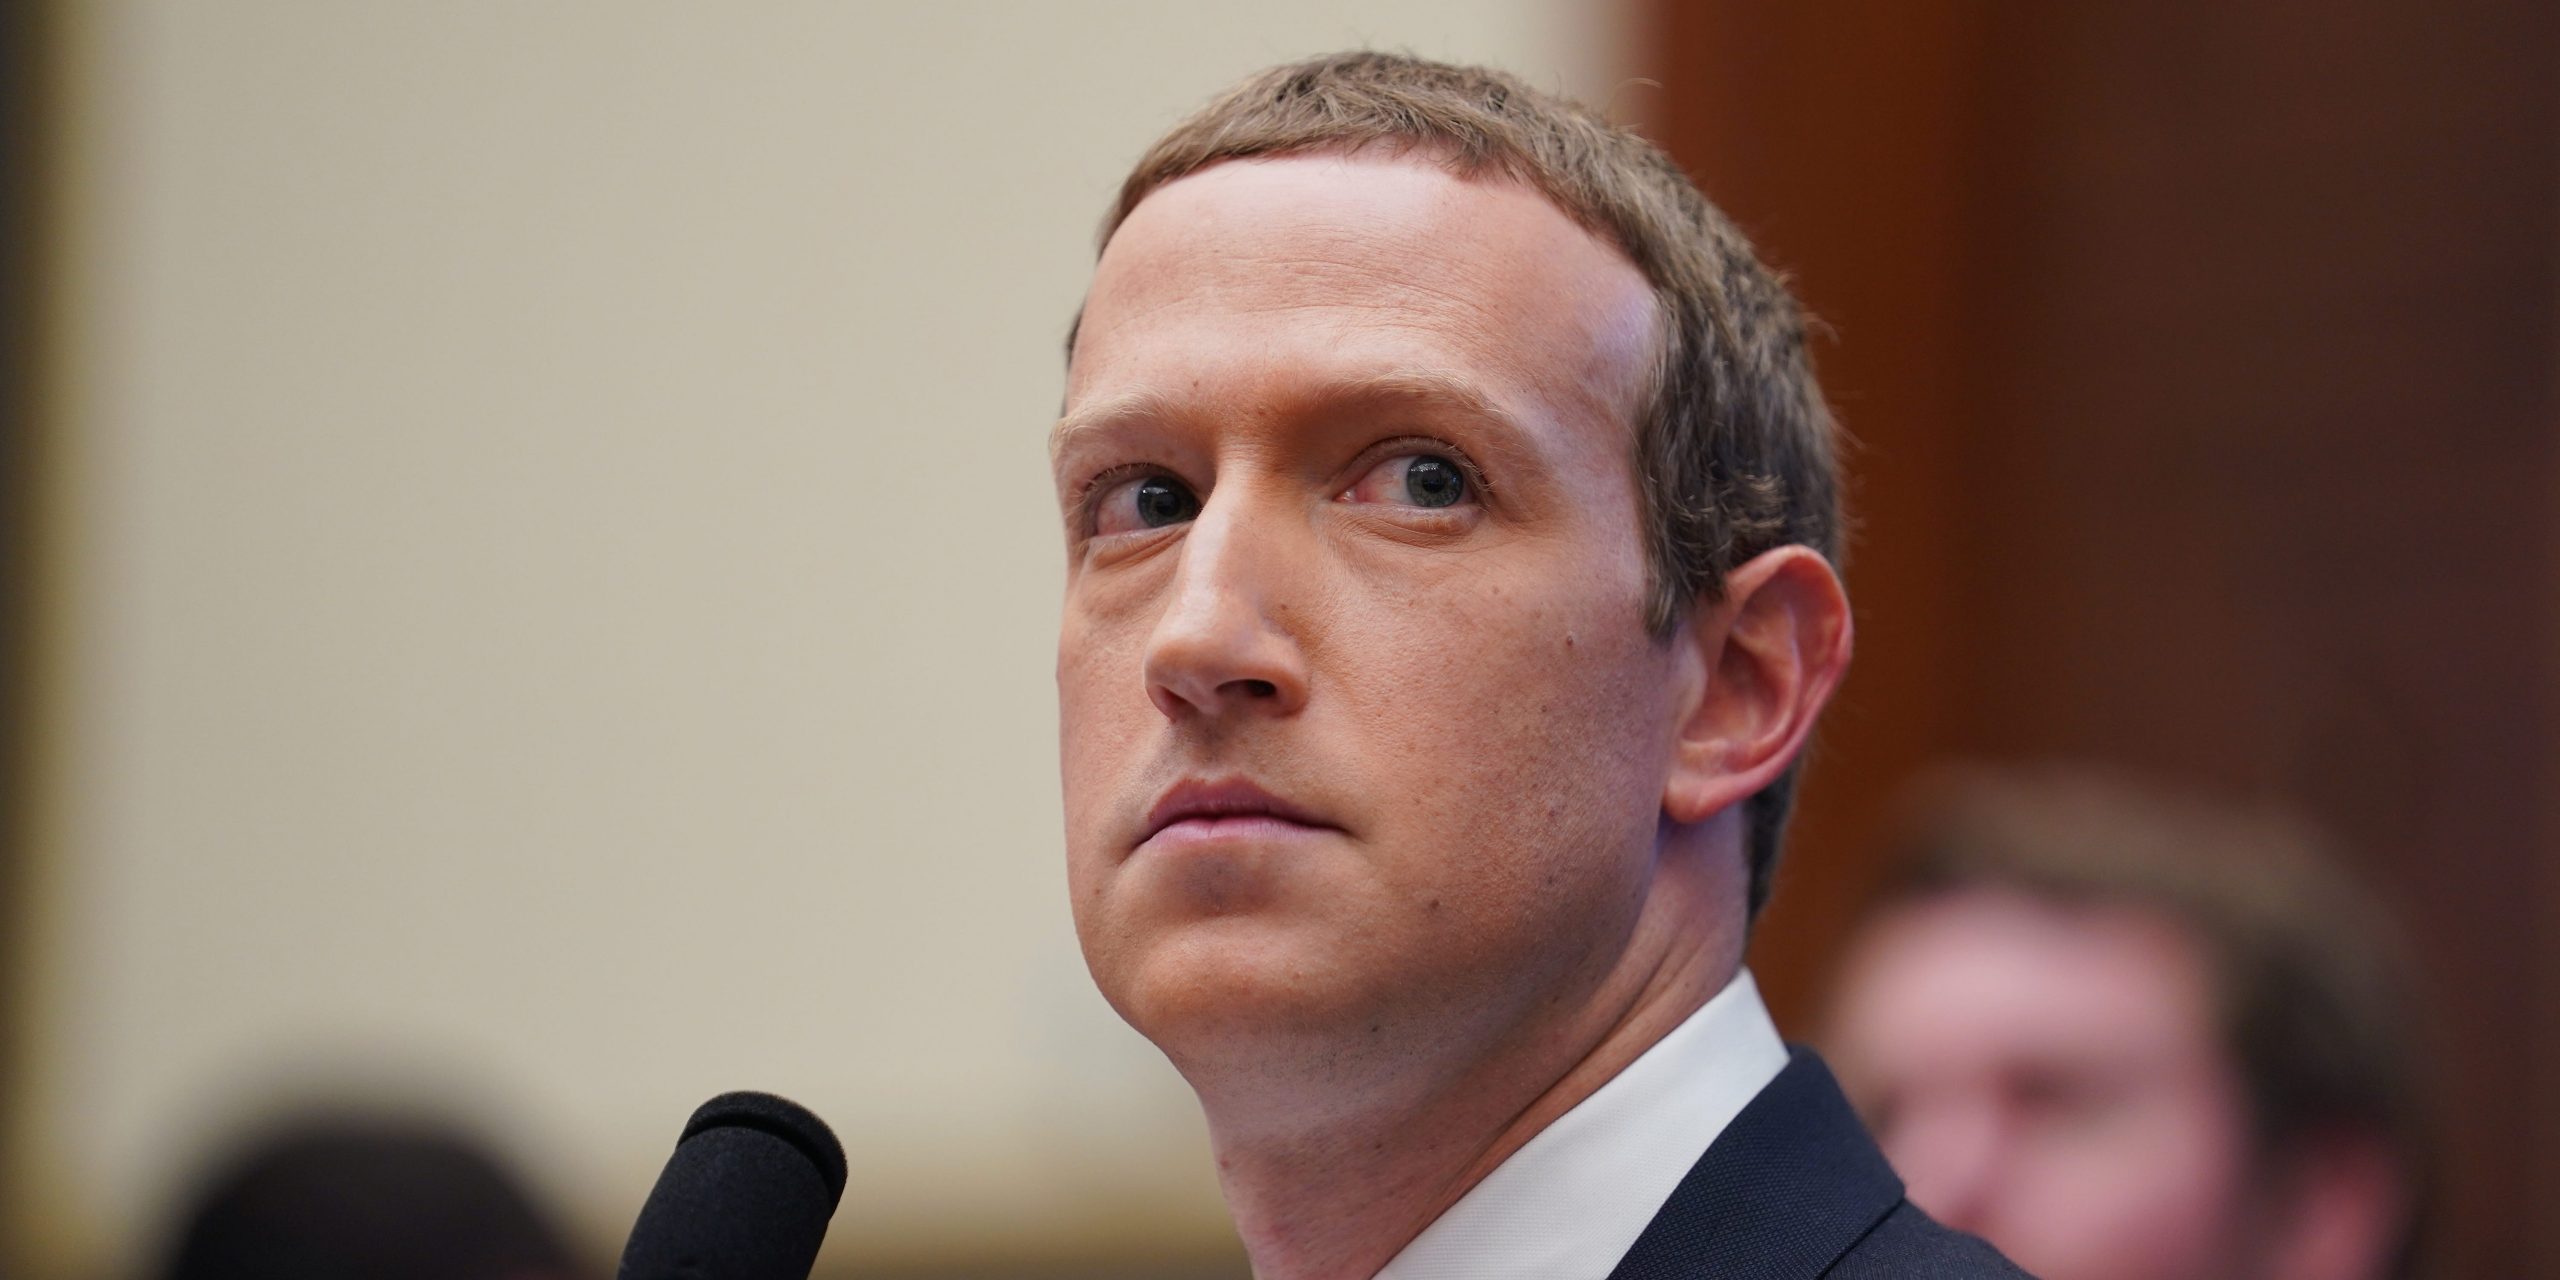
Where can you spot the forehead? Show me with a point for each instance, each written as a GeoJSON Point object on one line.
{"type": "Point", "coordinates": [1984, 977]}
{"type": "Point", "coordinates": [1253, 273]}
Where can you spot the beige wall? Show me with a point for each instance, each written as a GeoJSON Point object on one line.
{"type": "Point", "coordinates": [552, 580]}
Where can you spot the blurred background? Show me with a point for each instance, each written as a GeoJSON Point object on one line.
{"type": "Point", "coordinates": [531, 578]}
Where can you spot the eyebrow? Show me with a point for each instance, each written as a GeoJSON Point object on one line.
{"type": "Point", "coordinates": [1138, 406]}
{"type": "Point", "coordinates": [1443, 390]}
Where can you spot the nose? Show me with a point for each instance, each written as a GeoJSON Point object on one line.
{"type": "Point", "coordinates": [1225, 644]}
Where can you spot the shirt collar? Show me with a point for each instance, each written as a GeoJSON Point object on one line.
{"type": "Point", "coordinates": [1567, 1205]}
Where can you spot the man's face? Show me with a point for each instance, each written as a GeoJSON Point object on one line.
{"type": "Point", "coordinates": [2049, 1078]}
{"type": "Point", "coordinates": [1361, 728]}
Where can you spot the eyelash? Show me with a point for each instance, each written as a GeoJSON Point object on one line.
{"type": "Point", "coordinates": [1402, 445]}
{"type": "Point", "coordinates": [1104, 481]}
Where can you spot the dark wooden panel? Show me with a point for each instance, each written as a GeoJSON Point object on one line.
{"type": "Point", "coordinates": [2275, 408]}
{"type": "Point", "coordinates": [25, 94]}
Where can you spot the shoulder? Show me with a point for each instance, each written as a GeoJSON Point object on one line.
{"type": "Point", "coordinates": [1794, 1189]}
{"type": "Point", "coordinates": [1907, 1244]}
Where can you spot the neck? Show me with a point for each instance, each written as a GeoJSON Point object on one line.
{"type": "Point", "coordinates": [1334, 1192]}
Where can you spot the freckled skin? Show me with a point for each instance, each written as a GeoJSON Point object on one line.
{"type": "Point", "coordinates": [1481, 711]}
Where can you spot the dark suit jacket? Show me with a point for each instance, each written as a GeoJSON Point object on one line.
{"type": "Point", "coordinates": [1794, 1189]}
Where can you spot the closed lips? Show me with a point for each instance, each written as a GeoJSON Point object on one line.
{"type": "Point", "coordinates": [1209, 802]}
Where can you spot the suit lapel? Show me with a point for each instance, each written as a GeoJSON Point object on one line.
{"type": "Point", "coordinates": [1781, 1193]}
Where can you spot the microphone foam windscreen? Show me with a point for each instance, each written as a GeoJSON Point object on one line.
{"type": "Point", "coordinates": [746, 1196]}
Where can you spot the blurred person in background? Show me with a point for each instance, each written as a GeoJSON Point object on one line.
{"type": "Point", "coordinates": [2128, 1035]}
{"type": "Point", "coordinates": [354, 1197]}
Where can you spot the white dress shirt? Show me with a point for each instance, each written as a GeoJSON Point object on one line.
{"type": "Point", "coordinates": [1569, 1204]}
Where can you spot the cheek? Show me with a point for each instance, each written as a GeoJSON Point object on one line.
{"type": "Point", "coordinates": [1520, 743]}
{"type": "Point", "coordinates": [1102, 716]}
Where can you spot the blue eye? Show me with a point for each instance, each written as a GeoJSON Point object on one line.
{"type": "Point", "coordinates": [1144, 502]}
{"type": "Point", "coordinates": [1162, 502]}
{"type": "Point", "coordinates": [1426, 481]}
{"type": "Point", "coordinates": [1434, 482]}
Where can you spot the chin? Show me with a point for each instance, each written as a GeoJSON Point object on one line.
{"type": "Point", "coordinates": [1225, 984]}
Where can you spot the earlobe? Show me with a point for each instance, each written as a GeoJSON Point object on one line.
{"type": "Point", "coordinates": [1767, 656]}
{"type": "Point", "coordinates": [2348, 1206]}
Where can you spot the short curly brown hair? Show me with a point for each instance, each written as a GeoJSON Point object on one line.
{"type": "Point", "coordinates": [1734, 447]}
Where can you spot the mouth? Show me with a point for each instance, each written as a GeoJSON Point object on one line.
{"type": "Point", "coordinates": [1199, 811]}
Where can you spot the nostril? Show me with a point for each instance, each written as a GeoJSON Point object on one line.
{"type": "Point", "coordinates": [1261, 688]}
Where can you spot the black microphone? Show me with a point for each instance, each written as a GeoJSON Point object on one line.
{"type": "Point", "coordinates": [746, 1196]}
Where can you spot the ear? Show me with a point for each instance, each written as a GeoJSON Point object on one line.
{"type": "Point", "coordinates": [1758, 666]}
{"type": "Point", "coordinates": [2344, 1211]}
